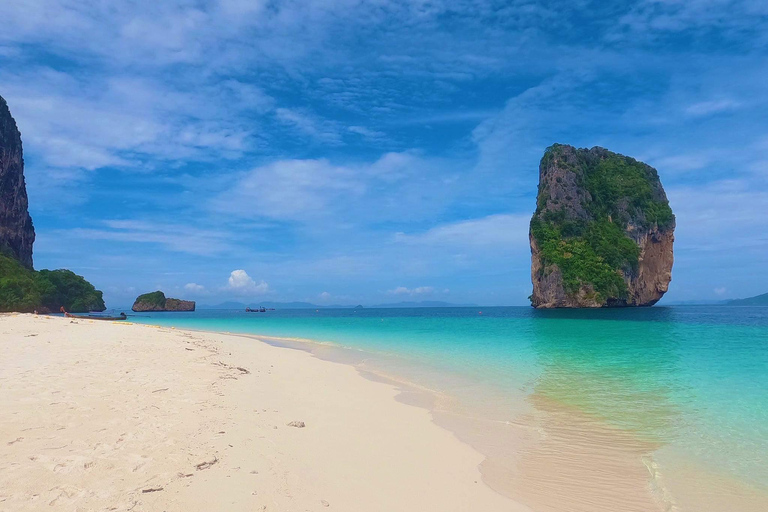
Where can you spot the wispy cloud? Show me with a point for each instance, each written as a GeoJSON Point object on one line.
{"type": "Point", "coordinates": [174, 237]}
{"type": "Point", "coordinates": [306, 124]}
{"type": "Point", "coordinates": [502, 232]}
{"type": "Point", "coordinates": [705, 108]}
{"type": "Point", "coordinates": [412, 292]}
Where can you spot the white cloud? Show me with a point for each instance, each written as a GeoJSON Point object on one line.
{"type": "Point", "coordinates": [705, 108]}
{"type": "Point", "coordinates": [194, 288]}
{"type": "Point", "coordinates": [720, 290]}
{"type": "Point", "coordinates": [243, 284]}
{"type": "Point", "coordinates": [367, 133]}
{"type": "Point", "coordinates": [501, 232]}
{"type": "Point", "coordinates": [91, 122]}
{"type": "Point", "coordinates": [420, 290]}
{"type": "Point", "coordinates": [318, 191]}
{"type": "Point", "coordinates": [175, 237]}
{"type": "Point", "coordinates": [291, 189]}
{"type": "Point", "coordinates": [309, 125]}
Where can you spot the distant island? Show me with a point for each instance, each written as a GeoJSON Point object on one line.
{"type": "Point", "coordinates": [602, 232]}
{"type": "Point", "coordinates": [22, 288]}
{"type": "Point", "coordinates": [758, 300]}
{"type": "Point", "coordinates": [156, 301]}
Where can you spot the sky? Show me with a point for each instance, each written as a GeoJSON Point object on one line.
{"type": "Point", "coordinates": [345, 152]}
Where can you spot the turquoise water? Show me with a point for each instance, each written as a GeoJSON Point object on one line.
{"type": "Point", "coordinates": [694, 378]}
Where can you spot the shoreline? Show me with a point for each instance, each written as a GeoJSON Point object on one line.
{"type": "Point", "coordinates": [543, 446]}
{"type": "Point", "coordinates": [105, 415]}
{"type": "Point", "coordinates": [616, 476]}
{"type": "Point", "coordinates": [527, 462]}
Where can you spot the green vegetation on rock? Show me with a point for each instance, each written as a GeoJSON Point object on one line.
{"type": "Point", "coordinates": [586, 254]}
{"type": "Point", "coordinates": [584, 228]}
{"type": "Point", "coordinates": [25, 290]}
{"type": "Point", "coordinates": [156, 299]}
{"type": "Point", "coordinates": [71, 291]}
{"type": "Point", "coordinates": [621, 189]}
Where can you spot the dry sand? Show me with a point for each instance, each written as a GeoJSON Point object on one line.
{"type": "Point", "coordinates": [114, 416]}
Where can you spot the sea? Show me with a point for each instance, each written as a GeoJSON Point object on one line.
{"type": "Point", "coordinates": [661, 408]}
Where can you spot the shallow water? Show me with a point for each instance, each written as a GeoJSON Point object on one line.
{"type": "Point", "coordinates": [599, 400]}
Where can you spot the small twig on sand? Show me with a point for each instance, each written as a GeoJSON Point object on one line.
{"type": "Point", "coordinates": [152, 489]}
{"type": "Point", "coordinates": [238, 368]}
{"type": "Point", "coordinates": [206, 464]}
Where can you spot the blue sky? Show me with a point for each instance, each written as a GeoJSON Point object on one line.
{"type": "Point", "coordinates": [350, 152]}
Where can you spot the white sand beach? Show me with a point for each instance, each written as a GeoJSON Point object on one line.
{"type": "Point", "coordinates": [117, 416]}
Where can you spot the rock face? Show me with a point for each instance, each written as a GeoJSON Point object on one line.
{"type": "Point", "coordinates": [16, 231]}
{"type": "Point", "coordinates": [602, 233]}
{"type": "Point", "coordinates": [156, 301]}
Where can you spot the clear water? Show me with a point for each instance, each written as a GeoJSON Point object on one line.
{"type": "Point", "coordinates": [691, 378]}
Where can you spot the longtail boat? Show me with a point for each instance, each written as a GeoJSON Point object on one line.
{"type": "Point", "coordinates": [122, 316]}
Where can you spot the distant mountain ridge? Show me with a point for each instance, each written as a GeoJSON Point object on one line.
{"type": "Point", "coordinates": [309, 305]}
{"type": "Point", "coordinates": [758, 300]}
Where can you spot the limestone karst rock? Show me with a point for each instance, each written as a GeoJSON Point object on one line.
{"type": "Point", "coordinates": [156, 301]}
{"type": "Point", "coordinates": [16, 231]}
{"type": "Point", "coordinates": [602, 233]}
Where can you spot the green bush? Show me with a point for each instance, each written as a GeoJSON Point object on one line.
{"type": "Point", "coordinates": [71, 291]}
{"type": "Point", "coordinates": [25, 290]}
{"type": "Point", "coordinates": [620, 179]}
{"type": "Point", "coordinates": [578, 259]}
{"type": "Point", "coordinates": [153, 298]}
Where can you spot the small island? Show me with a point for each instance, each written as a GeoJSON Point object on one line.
{"type": "Point", "coordinates": [156, 301]}
{"type": "Point", "coordinates": [602, 232]}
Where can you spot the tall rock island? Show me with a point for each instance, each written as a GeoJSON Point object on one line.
{"type": "Point", "coordinates": [16, 231]}
{"type": "Point", "coordinates": [602, 232]}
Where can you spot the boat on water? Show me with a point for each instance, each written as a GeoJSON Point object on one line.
{"type": "Point", "coordinates": [256, 310]}
{"type": "Point", "coordinates": [122, 316]}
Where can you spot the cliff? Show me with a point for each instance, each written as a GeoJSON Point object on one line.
{"type": "Point", "coordinates": [21, 288]}
{"type": "Point", "coordinates": [16, 231]}
{"type": "Point", "coordinates": [156, 301]}
{"type": "Point", "coordinates": [602, 233]}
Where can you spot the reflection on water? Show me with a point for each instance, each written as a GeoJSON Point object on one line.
{"type": "Point", "coordinates": [622, 372]}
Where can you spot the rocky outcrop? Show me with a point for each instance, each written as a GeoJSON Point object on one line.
{"type": "Point", "coordinates": [16, 231]}
{"type": "Point", "coordinates": [21, 287]}
{"type": "Point", "coordinates": [602, 233]}
{"type": "Point", "coordinates": [179, 305]}
{"type": "Point", "coordinates": [156, 301]}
